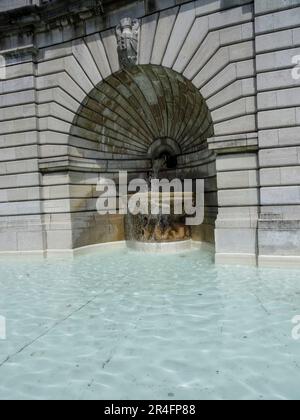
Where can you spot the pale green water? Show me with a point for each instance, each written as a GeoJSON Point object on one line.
{"type": "Point", "coordinates": [121, 325]}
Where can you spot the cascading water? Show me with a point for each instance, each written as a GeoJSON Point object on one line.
{"type": "Point", "coordinates": [159, 227]}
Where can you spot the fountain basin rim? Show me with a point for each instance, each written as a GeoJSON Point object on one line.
{"type": "Point", "coordinates": [161, 247]}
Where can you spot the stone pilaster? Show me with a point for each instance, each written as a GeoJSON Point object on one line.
{"type": "Point", "coordinates": [238, 198]}
{"type": "Point", "coordinates": [21, 207]}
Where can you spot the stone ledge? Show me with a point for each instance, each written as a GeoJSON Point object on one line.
{"type": "Point", "coordinates": [65, 164]}
{"type": "Point", "coordinates": [268, 261]}
{"type": "Point", "coordinates": [25, 13]}
{"type": "Point", "coordinates": [85, 250]}
{"type": "Point", "coordinates": [279, 261]}
{"type": "Point", "coordinates": [63, 252]}
{"type": "Point", "coordinates": [20, 51]}
{"type": "Point", "coordinates": [234, 144]}
{"type": "Point", "coordinates": [236, 259]}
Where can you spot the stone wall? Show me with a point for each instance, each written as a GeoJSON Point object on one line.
{"type": "Point", "coordinates": [55, 145]}
{"type": "Point", "coordinates": [277, 42]}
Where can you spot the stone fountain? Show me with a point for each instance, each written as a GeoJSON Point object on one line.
{"type": "Point", "coordinates": [163, 229]}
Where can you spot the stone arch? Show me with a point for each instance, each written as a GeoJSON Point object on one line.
{"type": "Point", "coordinates": [214, 52]}
{"type": "Point", "coordinates": [137, 114]}
{"type": "Point", "coordinates": [134, 111]}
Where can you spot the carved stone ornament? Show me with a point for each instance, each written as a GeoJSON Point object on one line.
{"type": "Point", "coordinates": [128, 37]}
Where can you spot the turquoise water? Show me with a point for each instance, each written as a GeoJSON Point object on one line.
{"type": "Point", "coordinates": [121, 325]}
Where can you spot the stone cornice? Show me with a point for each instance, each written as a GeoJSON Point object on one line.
{"type": "Point", "coordinates": [20, 51]}
{"type": "Point", "coordinates": [234, 143]}
{"type": "Point", "coordinates": [52, 13]}
{"type": "Point", "coordinates": [66, 163]}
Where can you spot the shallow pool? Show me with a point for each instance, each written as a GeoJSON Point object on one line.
{"type": "Point", "coordinates": [117, 324]}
